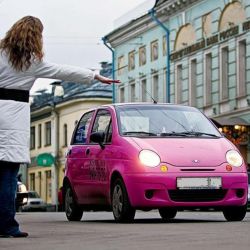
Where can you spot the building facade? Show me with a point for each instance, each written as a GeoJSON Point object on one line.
{"type": "Point", "coordinates": [53, 120]}
{"type": "Point", "coordinates": [209, 45]}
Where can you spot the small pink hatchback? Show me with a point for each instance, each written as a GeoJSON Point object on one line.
{"type": "Point", "coordinates": [125, 157]}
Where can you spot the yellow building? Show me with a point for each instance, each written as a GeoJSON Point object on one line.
{"type": "Point", "coordinates": [52, 124]}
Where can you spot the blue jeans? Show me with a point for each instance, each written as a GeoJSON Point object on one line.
{"type": "Point", "coordinates": [8, 187]}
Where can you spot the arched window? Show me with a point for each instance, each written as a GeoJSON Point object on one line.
{"type": "Point", "coordinates": [185, 37]}
{"type": "Point", "coordinates": [232, 15]}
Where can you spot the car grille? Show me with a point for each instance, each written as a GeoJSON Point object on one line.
{"type": "Point", "coordinates": [35, 202]}
{"type": "Point", "coordinates": [199, 195]}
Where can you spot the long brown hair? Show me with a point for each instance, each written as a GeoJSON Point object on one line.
{"type": "Point", "coordinates": [23, 43]}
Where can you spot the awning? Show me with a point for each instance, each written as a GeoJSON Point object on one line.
{"type": "Point", "coordinates": [230, 121]}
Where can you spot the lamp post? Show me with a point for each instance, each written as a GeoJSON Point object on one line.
{"type": "Point", "coordinates": [58, 92]}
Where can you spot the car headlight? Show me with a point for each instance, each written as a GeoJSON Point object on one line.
{"type": "Point", "coordinates": [234, 158]}
{"type": "Point", "coordinates": [149, 158]}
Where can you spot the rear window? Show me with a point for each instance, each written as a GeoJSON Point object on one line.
{"type": "Point", "coordinates": [33, 195]}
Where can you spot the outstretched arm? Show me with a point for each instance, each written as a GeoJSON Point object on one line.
{"type": "Point", "coordinates": [105, 80]}
{"type": "Point", "coordinates": [67, 73]}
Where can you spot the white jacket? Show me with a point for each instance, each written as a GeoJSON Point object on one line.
{"type": "Point", "coordinates": [14, 115]}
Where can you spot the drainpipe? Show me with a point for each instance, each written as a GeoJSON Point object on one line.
{"type": "Point", "coordinates": [104, 39]}
{"type": "Point", "coordinates": [152, 14]}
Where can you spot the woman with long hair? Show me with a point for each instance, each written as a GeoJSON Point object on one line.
{"type": "Point", "coordinates": [21, 63]}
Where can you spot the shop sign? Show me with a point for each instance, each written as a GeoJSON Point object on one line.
{"type": "Point", "coordinates": [222, 36]}
{"type": "Point", "coordinates": [45, 160]}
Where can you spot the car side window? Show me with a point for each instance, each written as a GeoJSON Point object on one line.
{"type": "Point", "coordinates": [81, 132]}
{"type": "Point", "coordinates": [103, 124]}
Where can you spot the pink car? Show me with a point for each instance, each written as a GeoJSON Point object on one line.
{"type": "Point", "coordinates": [125, 157]}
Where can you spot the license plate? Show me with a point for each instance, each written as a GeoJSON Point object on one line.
{"type": "Point", "coordinates": [199, 183]}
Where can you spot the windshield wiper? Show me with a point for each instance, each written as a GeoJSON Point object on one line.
{"type": "Point", "coordinates": [188, 133]}
{"type": "Point", "coordinates": [174, 134]}
{"type": "Point", "coordinates": [196, 133]}
{"type": "Point", "coordinates": [139, 132]}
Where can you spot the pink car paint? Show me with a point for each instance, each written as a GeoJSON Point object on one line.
{"type": "Point", "coordinates": [92, 171]}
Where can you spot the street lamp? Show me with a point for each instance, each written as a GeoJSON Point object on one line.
{"type": "Point", "coordinates": [58, 92]}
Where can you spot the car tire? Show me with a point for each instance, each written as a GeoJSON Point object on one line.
{"type": "Point", "coordinates": [72, 210]}
{"type": "Point", "coordinates": [235, 213]}
{"type": "Point", "coordinates": [167, 213]}
{"type": "Point", "coordinates": [122, 210]}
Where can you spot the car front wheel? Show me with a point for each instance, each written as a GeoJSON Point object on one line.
{"type": "Point", "coordinates": [235, 213]}
{"type": "Point", "coordinates": [122, 210]}
{"type": "Point", "coordinates": [167, 213]}
{"type": "Point", "coordinates": [72, 210]}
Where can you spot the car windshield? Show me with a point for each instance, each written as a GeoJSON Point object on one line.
{"type": "Point", "coordinates": [164, 121]}
{"type": "Point", "coordinates": [33, 195]}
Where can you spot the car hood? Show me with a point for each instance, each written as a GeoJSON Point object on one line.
{"type": "Point", "coordinates": [188, 152]}
{"type": "Point", "coordinates": [35, 199]}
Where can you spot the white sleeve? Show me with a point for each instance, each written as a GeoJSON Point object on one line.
{"type": "Point", "coordinates": [62, 72]}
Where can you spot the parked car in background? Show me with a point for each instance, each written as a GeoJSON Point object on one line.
{"type": "Point", "coordinates": [34, 202]}
{"type": "Point", "coordinates": [21, 195]}
{"type": "Point", "coordinates": [125, 157]}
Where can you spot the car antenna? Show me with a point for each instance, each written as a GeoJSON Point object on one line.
{"type": "Point", "coordinates": [154, 101]}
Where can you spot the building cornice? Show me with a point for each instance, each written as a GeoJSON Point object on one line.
{"type": "Point", "coordinates": [234, 113]}
{"type": "Point", "coordinates": [134, 28]}
{"type": "Point", "coordinates": [171, 7]}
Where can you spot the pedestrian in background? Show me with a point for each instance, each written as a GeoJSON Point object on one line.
{"type": "Point", "coordinates": [21, 63]}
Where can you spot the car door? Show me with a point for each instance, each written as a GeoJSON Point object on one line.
{"type": "Point", "coordinates": [77, 158]}
{"type": "Point", "coordinates": [99, 169]}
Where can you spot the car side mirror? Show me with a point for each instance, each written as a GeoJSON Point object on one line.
{"type": "Point", "coordinates": [98, 137]}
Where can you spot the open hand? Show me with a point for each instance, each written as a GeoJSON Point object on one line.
{"type": "Point", "coordinates": [106, 80]}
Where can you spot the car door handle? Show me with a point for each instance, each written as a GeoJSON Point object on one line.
{"type": "Point", "coordinates": [87, 151]}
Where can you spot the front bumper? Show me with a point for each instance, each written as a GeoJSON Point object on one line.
{"type": "Point", "coordinates": [152, 190]}
{"type": "Point", "coordinates": [31, 207]}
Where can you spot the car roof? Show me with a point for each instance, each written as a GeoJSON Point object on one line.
{"type": "Point", "coordinates": [144, 104]}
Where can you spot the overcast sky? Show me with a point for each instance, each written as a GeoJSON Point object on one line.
{"type": "Point", "coordinates": [72, 28]}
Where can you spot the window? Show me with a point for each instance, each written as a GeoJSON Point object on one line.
{"type": "Point", "coordinates": [208, 79]}
{"type": "Point", "coordinates": [131, 60]}
{"type": "Point", "coordinates": [81, 133]}
{"type": "Point", "coordinates": [178, 91]}
{"type": "Point", "coordinates": [48, 185]}
{"type": "Point", "coordinates": [47, 133]}
{"type": "Point", "coordinates": [224, 73]}
{"type": "Point", "coordinates": [103, 124]}
{"type": "Point", "coordinates": [156, 87]}
{"type": "Point", "coordinates": [142, 56]}
{"type": "Point", "coordinates": [121, 65]}
{"type": "Point", "coordinates": [132, 92]}
{"type": "Point", "coordinates": [164, 45]}
{"type": "Point", "coordinates": [154, 50]}
{"type": "Point", "coordinates": [32, 137]}
{"type": "Point", "coordinates": [40, 183]}
{"type": "Point", "coordinates": [39, 135]}
{"type": "Point", "coordinates": [65, 134]}
{"type": "Point", "coordinates": [242, 68]}
{"type": "Point", "coordinates": [122, 94]}
{"type": "Point", "coordinates": [32, 182]}
{"type": "Point", "coordinates": [144, 90]}
{"type": "Point", "coordinates": [192, 83]}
